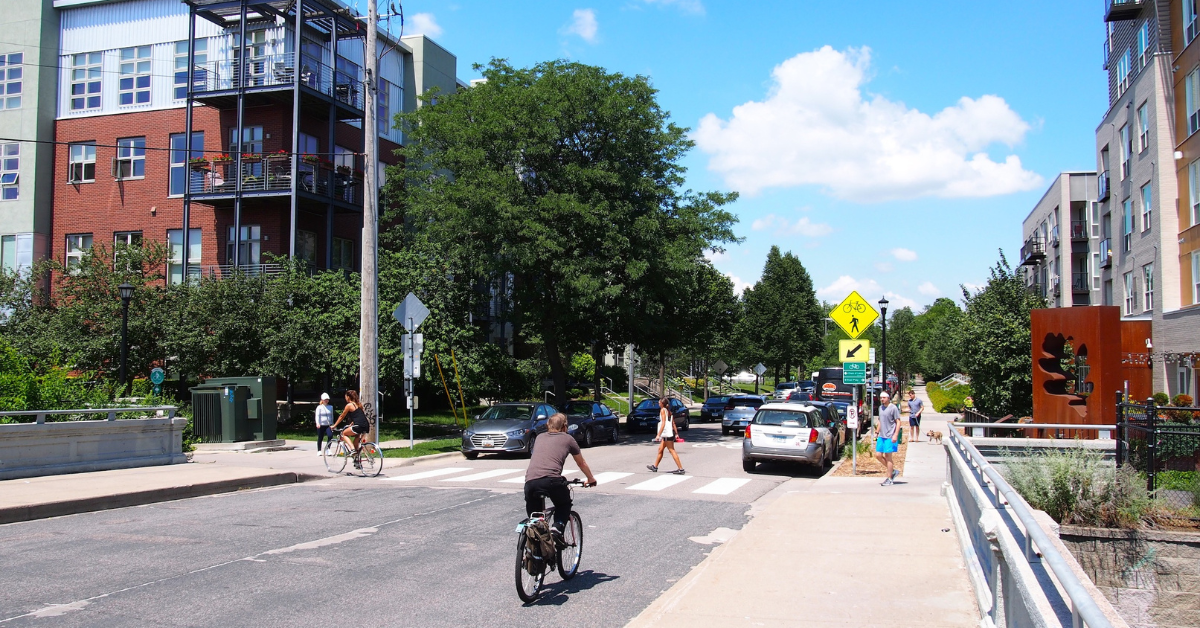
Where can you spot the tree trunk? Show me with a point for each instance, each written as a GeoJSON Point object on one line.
{"type": "Point", "coordinates": [662, 375]}
{"type": "Point", "coordinates": [598, 357]}
{"type": "Point", "coordinates": [558, 373]}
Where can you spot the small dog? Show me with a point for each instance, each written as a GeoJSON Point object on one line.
{"type": "Point", "coordinates": [934, 436]}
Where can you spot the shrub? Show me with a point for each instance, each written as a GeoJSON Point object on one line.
{"type": "Point", "coordinates": [952, 399]}
{"type": "Point", "coordinates": [1075, 486]}
{"type": "Point", "coordinates": [1182, 401]}
{"type": "Point", "coordinates": [1161, 399]}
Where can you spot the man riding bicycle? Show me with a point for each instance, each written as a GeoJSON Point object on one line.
{"type": "Point", "coordinates": [544, 477]}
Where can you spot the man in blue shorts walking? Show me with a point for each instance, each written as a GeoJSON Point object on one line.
{"type": "Point", "coordinates": [886, 436]}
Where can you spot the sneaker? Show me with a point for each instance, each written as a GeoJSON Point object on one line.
{"type": "Point", "coordinates": [887, 482]}
{"type": "Point", "coordinates": [895, 472]}
{"type": "Point", "coordinates": [653, 469]}
{"type": "Point", "coordinates": [678, 472]}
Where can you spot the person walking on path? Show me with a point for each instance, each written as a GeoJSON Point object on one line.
{"type": "Point", "coordinates": [915, 407]}
{"type": "Point", "coordinates": [324, 422]}
{"type": "Point", "coordinates": [886, 436]}
{"type": "Point", "coordinates": [666, 437]}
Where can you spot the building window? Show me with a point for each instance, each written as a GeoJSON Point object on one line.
{"type": "Point", "coordinates": [1148, 287]}
{"type": "Point", "coordinates": [256, 57]}
{"type": "Point", "coordinates": [343, 156]}
{"type": "Point", "coordinates": [125, 240]}
{"type": "Point", "coordinates": [1095, 271]}
{"type": "Point", "coordinates": [10, 80]}
{"type": "Point", "coordinates": [1184, 372]}
{"type": "Point", "coordinates": [1126, 150]}
{"type": "Point", "coordinates": [81, 167]}
{"type": "Point", "coordinates": [1195, 277]}
{"type": "Point", "coordinates": [175, 254]}
{"type": "Point", "coordinates": [1127, 226]}
{"type": "Point", "coordinates": [1130, 295]}
{"type": "Point", "coordinates": [1123, 72]}
{"type": "Point", "coordinates": [1108, 292]}
{"type": "Point", "coordinates": [134, 85]}
{"type": "Point", "coordinates": [180, 169]}
{"type": "Point", "coordinates": [251, 144]}
{"type": "Point", "coordinates": [77, 244]}
{"type": "Point", "coordinates": [1191, 99]}
{"type": "Point", "coordinates": [383, 111]}
{"type": "Point", "coordinates": [1095, 219]}
{"type": "Point", "coordinates": [1143, 119]}
{"type": "Point", "coordinates": [1147, 204]}
{"type": "Point", "coordinates": [8, 253]}
{"type": "Point", "coordinates": [250, 250]}
{"type": "Point", "coordinates": [1143, 45]}
{"type": "Point", "coordinates": [131, 158]}
{"type": "Point", "coordinates": [85, 81]}
{"type": "Point", "coordinates": [306, 246]}
{"type": "Point", "coordinates": [1189, 21]}
{"type": "Point", "coordinates": [1194, 190]}
{"type": "Point", "coordinates": [199, 74]}
{"type": "Point", "coordinates": [343, 254]}
{"type": "Point", "coordinates": [10, 175]}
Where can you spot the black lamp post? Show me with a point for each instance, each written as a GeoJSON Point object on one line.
{"type": "Point", "coordinates": [126, 291]}
{"type": "Point", "coordinates": [883, 303]}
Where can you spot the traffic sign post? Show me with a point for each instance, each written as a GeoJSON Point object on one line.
{"type": "Point", "coordinates": [852, 425]}
{"type": "Point", "coordinates": [854, 315]}
{"type": "Point", "coordinates": [410, 313]}
{"type": "Point", "coordinates": [854, 350]}
{"type": "Point", "coordinates": [759, 369]}
{"type": "Point", "coordinates": [157, 377]}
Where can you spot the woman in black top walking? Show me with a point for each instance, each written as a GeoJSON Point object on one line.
{"type": "Point", "coordinates": [357, 419]}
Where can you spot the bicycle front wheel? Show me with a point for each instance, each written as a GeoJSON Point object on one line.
{"type": "Point", "coordinates": [569, 556]}
{"type": "Point", "coordinates": [370, 460]}
{"type": "Point", "coordinates": [335, 456]}
{"type": "Point", "coordinates": [530, 571]}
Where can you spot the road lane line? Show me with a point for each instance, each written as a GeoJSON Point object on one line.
{"type": "Point", "coordinates": [520, 479]}
{"type": "Point", "coordinates": [427, 474]}
{"type": "Point", "coordinates": [722, 486]}
{"type": "Point", "coordinates": [660, 482]}
{"type": "Point", "coordinates": [610, 476]}
{"type": "Point", "coordinates": [483, 476]}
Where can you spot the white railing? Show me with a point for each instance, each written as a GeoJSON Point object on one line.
{"type": "Point", "coordinates": [110, 413]}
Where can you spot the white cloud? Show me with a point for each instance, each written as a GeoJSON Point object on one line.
{"type": "Point", "coordinates": [883, 267]}
{"type": "Point", "coordinates": [904, 255]}
{"type": "Point", "coordinates": [423, 24]}
{"type": "Point", "coordinates": [868, 288]}
{"type": "Point", "coordinates": [928, 289]}
{"type": "Point", "coordinates": [972, 287]}
{"type": "Point", "coordinates": [782, 226]}
{"type": "Point", "coordinates": [695, 7]}
{"type": "Point", "coordinates": [583, 23]}
{"type": "Point", "coordinates": [739, 286]}
{"type": "Point", "coordinates": [818, 127]}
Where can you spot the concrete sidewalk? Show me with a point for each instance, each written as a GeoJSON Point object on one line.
{"type": "Point", "coordinates": [844, 551]}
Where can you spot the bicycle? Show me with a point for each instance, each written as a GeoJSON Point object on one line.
{"type": "Point", "coordinates": [531, 566]}
{"type": "Point", "coordinates": [368, 461]}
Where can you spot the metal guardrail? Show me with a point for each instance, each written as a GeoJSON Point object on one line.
{"type": "Point", "coordinates": [1105, 431]}
{"type": "Point", "coordinates": [1084, 610]}
{"type": "Point", "coordinates": [111, 412]}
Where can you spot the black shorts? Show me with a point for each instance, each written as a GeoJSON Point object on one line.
{"type": "Point", "coordinates": [914, 422]}
{"type": "Point", "coordinates": [360, 428]}
{"type": "Point", "coordinates": [668, 439]}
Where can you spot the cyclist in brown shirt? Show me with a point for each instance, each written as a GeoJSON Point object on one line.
{"type": "Point", "coordinates": [544, 477]}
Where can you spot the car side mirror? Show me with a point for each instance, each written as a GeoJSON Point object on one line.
{"type": "Point", "coordinates": [541, 417]}
{"type": "Point", "coordinates": [477, 417]}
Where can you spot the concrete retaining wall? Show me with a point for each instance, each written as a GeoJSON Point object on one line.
{"type": "Point", "coordinates": [1152, 577]}
{"type": "Point", "coordinates": [31, 449]}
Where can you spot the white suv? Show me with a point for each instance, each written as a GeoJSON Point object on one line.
{"type": "Point", "coordinates": [788, 431]}
{"type": "Point", "coordinates": [786, 388]}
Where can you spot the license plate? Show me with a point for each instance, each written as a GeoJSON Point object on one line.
{"type": "Point", "coordinates": [488, 443]}
{"type": "Point", "coordinates": [780, 436]}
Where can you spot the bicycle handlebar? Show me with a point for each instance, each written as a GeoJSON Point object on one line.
{"type": "Point", "coordinates": [579, 482]}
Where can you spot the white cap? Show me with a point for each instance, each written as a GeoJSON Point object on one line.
{"type": "Point", "coordinates": [324, 396]}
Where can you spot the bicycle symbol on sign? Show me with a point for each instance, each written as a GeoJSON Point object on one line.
{"type": "Point", "coordinates": [856, 306]}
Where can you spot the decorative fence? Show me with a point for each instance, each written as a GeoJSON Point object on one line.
{"type": "Point", "coordinates": [1163, 443]}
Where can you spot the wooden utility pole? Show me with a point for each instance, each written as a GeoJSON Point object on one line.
{"type": "Point", "coordinates": [368, 352]}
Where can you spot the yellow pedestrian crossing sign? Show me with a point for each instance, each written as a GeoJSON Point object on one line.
{"type": "Point", "coordinates": [854, 315]}
{"type": "Point", "coordinates": [854, 350]}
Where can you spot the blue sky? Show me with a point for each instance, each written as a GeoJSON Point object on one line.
{"type": "Point", "coordinates": [846, 131]}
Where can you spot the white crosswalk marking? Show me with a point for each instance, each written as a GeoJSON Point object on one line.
{"type": "Point", "coordinates": [610, 476]}
{"type": "Point", "coordinates": [722, 486]}
{"type": "Point", "coordinates": [660, 482]}
{"type": "Point", "coordinates": [428, 474]}
{"type": "Point", "coordinates": [520, 479]}
{"type": "Point", "coordinates": [482, 476]}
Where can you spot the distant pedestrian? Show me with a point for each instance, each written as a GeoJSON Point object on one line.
{"type": "Point", "coordinates": [886, 436]}
{"type": "Point", "coordinates": [666, 436]}
{"type": "Point", "coordinates": [915, 408]}
{"type": "Point", "coordinates": [324, 421]}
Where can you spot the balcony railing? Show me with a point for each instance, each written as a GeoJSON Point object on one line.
{"type": "Point", "coordinates": [1102, 182]}
{"type": "Point", "coordinates": [1054, 286]}
{"type": "Point", "coordinates": [1079, 230]}
{"type": "Point", "coordinates": [270, 173]}
{"type": "Point", "coordinates": [1033, 251]}
{"type": "Point", "coordinates": [280, 70]}
{"type": "Point", "coordinates": [1036, 287]}
{"type": "Point", "coordinates": [1120, 10]}
{"type": "Point", "coordinates": [1080, 282]}
{"type": "Point", "coordinates": [1106, 253]}
{"type": "Point", "coordinates": [225, 271]}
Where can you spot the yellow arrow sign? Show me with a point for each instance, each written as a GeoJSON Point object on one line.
{"type": "Point", "coordinates": [854, 350]}
{"type": "Point", "coordinates": [854, 315]}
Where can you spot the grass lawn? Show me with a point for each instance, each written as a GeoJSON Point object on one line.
{"type": "Point", "coordinates": [425, 449]}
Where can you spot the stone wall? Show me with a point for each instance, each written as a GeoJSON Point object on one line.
{"type": "Point", "coordinates": [37, 449]}
{"type": "Point", "coordinates": [1151, 577]}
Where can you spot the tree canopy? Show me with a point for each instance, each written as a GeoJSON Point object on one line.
{"type": "Point", "coordinates": [781, 323]}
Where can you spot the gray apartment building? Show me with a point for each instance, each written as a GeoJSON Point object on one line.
{"type": "Point", "coordinates": [1060, 257]}
{"type": "Point", "coordinates": [28, 89]}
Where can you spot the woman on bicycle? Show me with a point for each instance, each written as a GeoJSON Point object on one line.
{"type": "Point", "coordinates": [357, 419]}
{"type": "Point", "coordinates": [666, 436]}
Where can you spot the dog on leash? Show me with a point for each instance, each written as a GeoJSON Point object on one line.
{"type": "Point", "coordinates": [934, 436]}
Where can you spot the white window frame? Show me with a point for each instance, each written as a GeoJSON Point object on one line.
{"type": "Point", "coordinates": [130, 162]}
{"type": "Point", "coordinates": [1127, 225]}
{"type": "Point", "coordinates": [87, 86]}
{"type": "Point", "coordinates": [77, 245]}
{"type": "Point", "coordinates": [1143, 44]}
{"type": "Point", "coordinates": [175, 253]}
{"type": "Point", "coordinates": [1095, 271]}
{"type": "Point", "coordinates": [1126, 149]}
{"type": "Point", "coordinates": [133, 80]}
{"type": "Point", "coordinates": [1195, 277]}
{"type": "Point", "coordinates": [1148, 287]}
{"type": "Point", "coordinates": [11, 79]}
{"type": "Point", "coordinates": [1191, 100]}
{"type": "Point", "coordinates": [1186, 373]}
{"type": "Point", "coordinates": [1143, 115]}
{"type": "Point", "coordinates": [1189, 21]}
{"type": "Point", "coordinates": [8, 253]}
{"type": "Point", "coordinates": [79, 156]}
{"type": "Point", "coordinates": [251, 241]}
{"type": "Point", "coordinates": [1194, 191]}
{"type": "Point", "coordinates": [1130, 293]}
{"type": "Point", "coordinates": [10, 171]}
{"type": "Point", "coordinates": [199, 73]}
{"type": "Point", "coordinates": [179, 160]}
{"type": "Point", "coordinates": [1147, 207]}
{"type": "Point", "coordinates": [1123, 73]}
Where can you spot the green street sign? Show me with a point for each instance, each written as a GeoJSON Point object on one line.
{"type": "Point", "coordinates": [157, 376]}
{"type": "Point", "coordinates": [854, 372]}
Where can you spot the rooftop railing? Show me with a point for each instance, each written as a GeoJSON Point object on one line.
{"type": "Point", "coordinates": [264, 71]}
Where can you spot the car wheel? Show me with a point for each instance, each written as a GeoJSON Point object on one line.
{"type": "Point", "coordinates": [470, 455]}
{"type": "Point", "coordinates": [749, 465]}
{"type": "Point", "coordinates": [724, 431]}
{"type": "Point", "coordinates": [837, 452]}
{"type": "Point", "coordinates": [532, 440]}
{"type": "Point", "coordinates": [612, 436]}
{"type": "Point", "coordinates": [587, 437]}
{"type": "Point", "coordinates": [687, 424]}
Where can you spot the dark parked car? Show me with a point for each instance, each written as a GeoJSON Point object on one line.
{"type": "Point", "coordinates": [800, 396]}
{"type": "Point", "coordinates": [506, 427]}
{"type": "Point", "coordinates": [590, 421]}
{"type": "Point", "coordinates": [806, 386]}
{"type": "Point", "coordinates": [645, 415]}
{"type": "Point", "coordinates": [836, 421]}
{"type": "Point", "coordinates": [713, 409]}
{"type": "Point", "coordinates": [739, 411]}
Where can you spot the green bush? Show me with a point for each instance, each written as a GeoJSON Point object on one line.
{"type": "Point", "coordinates": [1161, 399]}
{"type": "Point", "coordinates": [1075, 486]}
{"type": "Point", "coordinates": [952, 399]}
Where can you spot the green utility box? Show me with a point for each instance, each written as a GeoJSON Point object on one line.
{"type": "Point", "coordinates": [232, 409]}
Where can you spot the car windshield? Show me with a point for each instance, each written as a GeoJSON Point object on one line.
{"type": "Point", "coordinates": [786, 386]}
{"type": "Point", "coordinates": [777, 417]}
{"type": "Point", "coordinates": [505, 413]}
{"type": "Point", "coordinates": [579, 407]}
{"type": "Point", "coordinates": [716, 400]}
{"type": "Point", "coordinates": [648, 404]}
{"type": "Point", "coordinates": [746, 402]}
{"type": "Point", "coordinates": [841, 408]}
{"type": "Point", "coordinates": [806, 384]}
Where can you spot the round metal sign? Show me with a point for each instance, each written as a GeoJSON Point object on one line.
{"type": "Point", "coordinates": [157, 376]}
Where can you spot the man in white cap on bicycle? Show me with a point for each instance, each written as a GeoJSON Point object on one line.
{"type": "Point", "coordinates": [544, 476]}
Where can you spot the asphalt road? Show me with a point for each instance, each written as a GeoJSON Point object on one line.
{"type": "Point", "coordinates": [381, 551]}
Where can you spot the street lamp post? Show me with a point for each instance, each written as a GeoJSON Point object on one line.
{"type": "Point", "coordinates": [126, 291]}
{"type": "Point", "coordinates": [883, 303]}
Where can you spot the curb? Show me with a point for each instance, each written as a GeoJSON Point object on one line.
{"type": "Point", "coordinates": [32, 512]}
{"type": "Point", "coordinates": [408, 462]}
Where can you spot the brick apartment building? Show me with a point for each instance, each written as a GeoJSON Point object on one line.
{"type": "Point", "coordinates": [273, 105]}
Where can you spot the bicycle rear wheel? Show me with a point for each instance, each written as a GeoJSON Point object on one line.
{"type": "Point", "coordinates": [335, 456]}
{"type": "Point", "coordinates": [569, 556]}
{"type": "Point", "coordinates": [370, 460]}
{"type": "Point", "coordinates": [530, 570]}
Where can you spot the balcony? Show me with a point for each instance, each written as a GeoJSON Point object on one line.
{"type": "Point", "coordinates": [1121, 10]}
{"type": "Point", "coordinates": [269, 77]}
{"type": "Point", "coordinates": [1080, 282]}
{"type": "Point", "coordinates": [1079, 231]}
{"type": "Point", "coordinates": [1033, 251]}
{"type": "Point", "coordinates": [225, 271]}
{"type": "Point", "coordinates": [1036, 287]}
{"type": "Point", "coordinates": [1054, 236]}
{"type": "Point", "coordinates": [1106, 253]}
{"type": "Point", "coordinates": [271, 175]}
{"type": "Point", "coordinates": [1102, 186]}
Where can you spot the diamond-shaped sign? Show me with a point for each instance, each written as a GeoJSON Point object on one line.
{"type": "Point", "coordinates": [854, 315]}
{"type": "Point", "coordinates": [720, 367]}
{"type": "Point", "coordinates": [760, 369]}
{"type": "Point", "coordinates": [411, 312]}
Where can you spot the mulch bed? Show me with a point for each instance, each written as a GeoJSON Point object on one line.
{"type": "Point", "coordinates": [868, 466]}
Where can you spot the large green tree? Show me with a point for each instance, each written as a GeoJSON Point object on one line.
{"type": "Point", "coordinates": [782, 323]}
{"type": "Point", "coordinates": [567, 178]}
{"type": "Point", "coordinates": [937, 333]}
{"type": "Point", "coordinates": [902, 355]}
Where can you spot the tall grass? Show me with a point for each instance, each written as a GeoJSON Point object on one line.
{"type": "Point", "coordinates": [1075, 486]}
